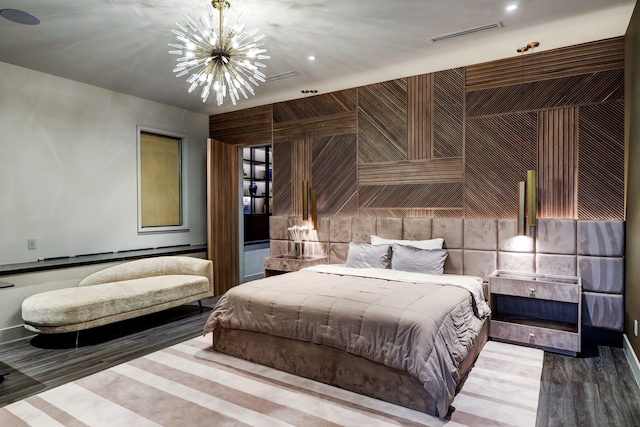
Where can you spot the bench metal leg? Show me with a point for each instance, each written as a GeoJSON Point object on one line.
{"type": "Point", "coordinates": [77, 338]}
{"type": "Point", "coordinates": [200, 304]}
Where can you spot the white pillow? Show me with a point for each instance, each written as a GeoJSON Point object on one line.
{"type": "Point", "coordinates": [420, 244]}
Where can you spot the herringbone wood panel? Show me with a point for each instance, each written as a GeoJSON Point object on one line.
{"type": "Point", "coordinates": [448, 127]}
{"type": "Point", "coordinates": [282, 179]}
{"type": "Point", "coordinates": [587, 58]}
{"type": "Point", "coordinates": [483, 126]}
{"type": "Point", "coordinates": [548, 94]}
{"type": "Point", "coordinates": [499, 151]}
{"type": "Point", "coordinates": [334, 171]}
{"type": "Point", "coordinates": [382, 122]}
{"type": "Point", "coordinates": [601, 161]}
{"type": "Point", "coordinates": [344, 101]}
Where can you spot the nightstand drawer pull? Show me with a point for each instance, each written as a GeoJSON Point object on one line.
{"type": "Point", "coordinates": [532, 335]}
{"type": "Point", "coordinates": [532, 290]}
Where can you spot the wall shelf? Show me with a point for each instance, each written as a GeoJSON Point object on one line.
{"type": "Point", "coordinates": [257, 192]}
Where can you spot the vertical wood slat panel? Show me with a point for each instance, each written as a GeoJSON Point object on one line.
{"type": "Point", "coordinates": [557, 163]}
{"type": "Point", "coordinates": [222, 214]}
{"type": "Point", "coordinates": [420, 117]}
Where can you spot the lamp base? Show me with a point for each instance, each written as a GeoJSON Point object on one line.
{"type": "Point", "coordinates": [298, 250]}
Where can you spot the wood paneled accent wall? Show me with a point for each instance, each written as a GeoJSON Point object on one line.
{"type": "Point", "coordinates": [455, 143]}
{"type": "Point", "coordinates": [228, 132]}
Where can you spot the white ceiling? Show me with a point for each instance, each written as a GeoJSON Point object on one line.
{"type": "Point", "coordinates": [122, 45]}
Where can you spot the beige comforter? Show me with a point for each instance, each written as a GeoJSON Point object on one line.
{"type": "Point", "coordinates": [424, 327]}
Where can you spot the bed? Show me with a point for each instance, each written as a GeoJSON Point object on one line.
{"type": "Point", "coordinates": [405, 337]}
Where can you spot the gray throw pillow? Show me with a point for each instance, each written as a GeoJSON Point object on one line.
{"type": "Point", "coordinates": [364, 255]}
{"type": "Point", "coordinates": [408, 258]}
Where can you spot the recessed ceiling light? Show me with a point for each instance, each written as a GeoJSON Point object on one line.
{"type": "Point", "coordinates": [511, 7]}
{"type": "Point", "coordinates": [311, 58]}
{"type": "Point", "coordinates": [19, 16]}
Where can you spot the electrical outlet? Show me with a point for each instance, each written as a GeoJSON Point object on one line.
{"type": "Point", "coordinates": [31, 244]}
{"type": "Point", "coordinates": [635, 327]}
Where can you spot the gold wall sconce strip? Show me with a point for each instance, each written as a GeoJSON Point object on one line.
{"type": "Point", "coordinates": [532, 201]}
{"type": "Point", "coordinates": [521, 212]}
{"type": "Point", "coordinates": [309, 197]}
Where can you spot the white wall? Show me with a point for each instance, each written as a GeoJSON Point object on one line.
{"type": "Point", "coordinates": [68, 167]}
{"type": "Point", "coordinates": [253, 261]}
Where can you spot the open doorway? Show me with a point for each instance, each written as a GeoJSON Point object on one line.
{"type": "Point", "coordinates": [256, 196]}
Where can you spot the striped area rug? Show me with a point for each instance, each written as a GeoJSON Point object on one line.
{"type": "Point", "coordinates": [189, 385]}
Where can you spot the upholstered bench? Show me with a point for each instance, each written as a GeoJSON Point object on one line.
{"type": "Point", "coordinates": [121, 292]}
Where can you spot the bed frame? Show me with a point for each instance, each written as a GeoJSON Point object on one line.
{"type": "Point", "coordinates": [338, 368]}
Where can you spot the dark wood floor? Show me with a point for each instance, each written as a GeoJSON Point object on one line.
{"type": "Point", "coordinates": [596, 389]}
{"type": "Point", "coordinates": [44, 362]}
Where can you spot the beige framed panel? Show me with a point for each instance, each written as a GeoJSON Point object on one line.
{"type": "Point", "coordinates": [162, 181]}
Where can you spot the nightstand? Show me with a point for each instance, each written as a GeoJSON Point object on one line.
{"type": "Point", "coordinates": [538, 310]}
{"type": "Point", "coordinates": [279, 264]}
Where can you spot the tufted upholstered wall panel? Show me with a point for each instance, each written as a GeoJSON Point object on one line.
{"type": "Point", "coordinates": [593, 250]}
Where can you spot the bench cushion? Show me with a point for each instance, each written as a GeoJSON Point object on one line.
{"type": "Point", "coordinates": [90, 306]}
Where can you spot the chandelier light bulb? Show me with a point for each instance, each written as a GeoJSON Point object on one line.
{"type": "Point", "coordinates": [213, 53]}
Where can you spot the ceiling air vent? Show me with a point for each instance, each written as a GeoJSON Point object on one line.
{"type": "Point", "coordinates": [466, 32]}
{"type": "Point", "coordinates": [281, 76]}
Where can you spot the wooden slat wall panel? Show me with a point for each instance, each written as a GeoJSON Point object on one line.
{"type": "Point", "coordinates": [543, 65]}
{"type": "Point", "coordinates": [568, 91]}
{"type": "Point", "coordinates": [336, 124]}
{"type": "Point", "coordinates": [344, 101]}
{"type": "Point", "coordinates": [498, 151]}
{"type": "Point", "coordinates": [448, 213]}
{"type": "Point", "coordinates": [383, 213]}
{"type": "Point", "coordinates": [282, 162]}
{"type": "Point", "coordinates": [382, 122]}
{"type": "Point", "coordinates": [473, 131]}
{"type": "Point", "coordinates": [222, 214]}
{"type": "Point", "coordinates": [601, 162]}
{"type": "Point", "coordinates": [557, 163]}
{"type": "Point", "coordinates": [420, 117]}
{"type": "Point", "coordinates": [411, 196]}
{"type": "Point", "coordinates": [244, 127]}
{"type": "Point", "coordinates": [418, 213]}
{"type": "Point", "coordinates": [411, 172]}
{"type": "Point", "coordinates": [301, 151]}
{"type": "Point", "coordinates": [334, 166]}
{"type": "Point", "coordinates": [448, 114]}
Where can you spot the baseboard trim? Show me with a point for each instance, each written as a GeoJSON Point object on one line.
{"type": "Point", "coordinates": [632, 359]}
{"type": "Point", "coordinates": [14, 333]}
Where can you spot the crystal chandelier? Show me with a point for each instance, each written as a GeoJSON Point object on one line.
{"type": "Point", "coordinates": [224, 60]}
